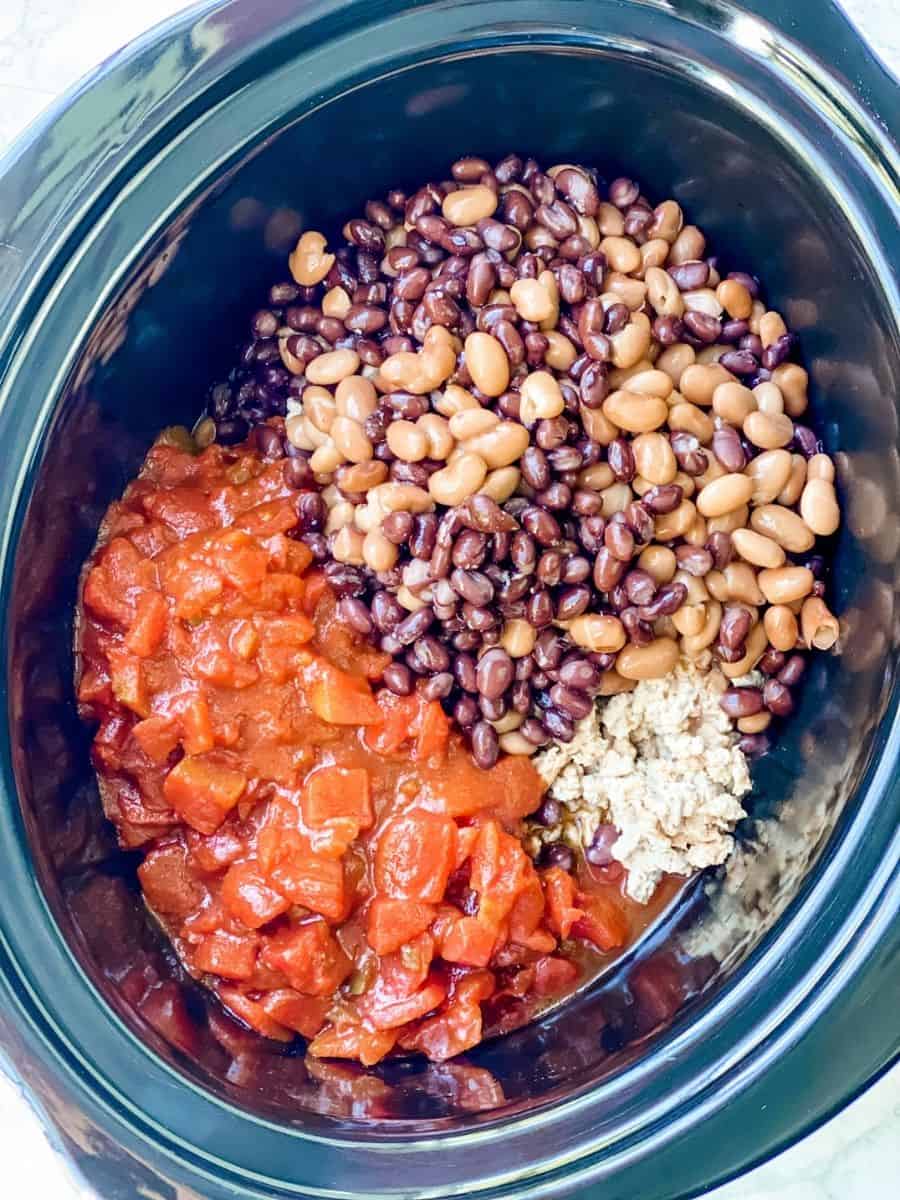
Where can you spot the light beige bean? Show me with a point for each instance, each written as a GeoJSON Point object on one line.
{"type": "Point", "coordinates": [347, 546]}
{"type": "Point", "coordinates": [468, 205]}
{"type": "Point", "coordinates": [818, 625]}
{"type": "Point", "coordinates": [785, 584]}
{"type": "Point", "coordinates": [663, 292]}
{"type": "Point", "coordinates": [401, 497]}
{"type": "Point", "coordinates": [295, 428]}
{"type": "Point", "coordinates": [768, 397]}
{"type": "Point", "coordinates": [757, 549]}
{"type": "Point", "coordinates": [690, 619]}
{"type": "Point", "coordinates": [688, 418]}
{"type": "Point", "coordinates": [616, 498]}
{"type": "Point", "coordinates": [487, 363]}
{"type": "Point", "coordinates": [769, 473]}
{"type": "Point", "coordinates": [735, 299]}
{"type": "Point", "coordinates": [598, 632]}
{"type": "Point", "coordinates": [733, 402]}
{"type": "Point", "coordinates": [501, 483]}
{"type": "Point", "coordinates": [332, 366]}
{"type": "Point", "coordinates": [326, 459]}
{"type": "Point", "coordinates": [560, 353]}
{"type": "Point", "coordinates": [819, 507]}
{"type": "Point", "coordinates": [654, 457]}
{"type": "Point", "coordinates": [308, 262]}
{"type": "Point", "coordinates": [820, 466]}
{"type": "Point", "coordinates": [653, 661]}
{"type": "Point", "coordinates": [716, 585]}
{"type": "Point", "coordinates": [794, 382]}
{"type": "Point", "coordinates": [500, 446]}
{"type": "Point", "coordinates": [518, 637]}
{"type": "Point", "coordinates": [470, 422]}
{"type": "Point", "coordinates": [596, 477]}
{"type": "Point", "coordinates": [714, 470]}
{"type": "Point", "coordinates": [513, 742]}
{"type": "Point", "coordinates": [409, 599]}
{"type": "Point", "coordinates": [771, 328]}
{"type": "Point", "coordinates": [355, 397]}
{"type": "Point", "coordinates": [688, 246]}
{"type": "Point", "coordinates": [786, 527]}
{"type": "Point", "coordinates": [668, 221]}
{"type": "Point", "coordinates": [378, 551]}
{"type": "Point", "coordinates": [724, 495]}
{"type": "Point", "coordinates": [508, 722]}
{"type": "Point", "coordinates": [590, 229]}
{"type": "Point", "coordinates": [658, 561]}
{"type": "Point", "coordinates": [622, 254]}
{"type": "Point", "coordinates": [597, 426]}
{"type": "Point", "coordinates": [756, 315]}
{"type": "Point", "coordinates": [630, 345]}
{"type": "Point", "coordinates": [634, 412]}
{"type": "Point", "coordinates": [755, 724]}
{"type": "Point", "coordinates": [406, 441]}
{"type": "Point", "coordinates": [618, 377]}
{"type": "Point", "coordinates": [336, 303]}
{"type": "Point", "coordinates": [769, 431]}
{"type": "Point", "coordinates": [755, 647]}
{"type": "Point", "coordinates": [697, 533]}
{"type": "Point", "coordinates": [676, 523]}
{"type": "Point", "coordinates": [440, 441]}
{"type": "Point", "coordinates": [694, 644]}
{"type": "Point", "coordinates": [730, 521]}
{"type": "Point", "coordinates": [362, 477]}
{"type": "Point", "coordinates": [339, 515]}
{"type": "Point", "coordinates": [614, 684]}
{"type": "Point", "coordinates": [793, 489]}
{"type": "Point", "coordinates": [710, 355]}
{"type": "Point", "coordinates": [548, 281]}
{"type": "Point", "coordinates": [703, 300]}
{"type": "Point", "coordinates": [696, 590]}
{"type": "Point", "coordinates": [350, 438]}
{"type": "Point", "coordinates": [781, 627]}
{"type": "Point", "coordinates": [653, 254]}
{"type": "Point", "coordinates": [319, 407]}
{"type": "Point", "coordinates": [699, 381]}
{"type": "Point", "coordinates": [296, 366]}
{"type": "Point", "coordinates": [458, 480]}
{"type": "Point", "coordinates": [651, 383]}
{"type": "Point", "coordinates": [455, 399]}
{"type": "Point", "coordinates": [609, 221]}
{"type": "Point", "coordinates": [631, 292]}
{"type": "Point", "coordinates": [740, 583]}
{"type": "Point", "coordinates": [532, 301]}
{"type": "Point", "coordinates": [675, 360]}
{"type": "Point", "coordinates": [541, 398]}
{"type": "Point", "coordinates": [423, 371]}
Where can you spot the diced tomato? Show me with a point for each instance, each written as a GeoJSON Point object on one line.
{"type": "Point", "coordinates": [340, 698]}
{"type": "Point", "coordinates": [353, 1041]}
{"type": "Point", "coordinates": [128, 683]}
{"type": "Point", "coordinates": [203, 792]}
{"type": "Point", "coordinates": [402, 973]}
{"type": "Point", "coordinates": [499, 872]}
{"type": "Point", "coordinates": [157, 737]}
{"type": "Point", "coordinates": [391, 923]}
{"type": "Point", "coordinates": [105, 599]}
{"type": "Point", "coordinates": [309, 957]}
{"type": "Point", "coordinates": [306, 1014]}
{"type": "Point", "coordinates": [247, 895]}
{"type": "Point", "coordinates": [458, 1027]}
{"type": "Point", "coordinates": [149, 625]}
{"type": "Point", "coordinates": [466, 839]}
{"type": "Point", "coordinates": [415, 856]}
{"type": "Point", "coordinates": [434, 733]}
{"type": "Point", "coordinates": [216, 851]}
{"type": "Point", "coordinates": [315, 586]}
{"type": "Point", "coordinates": [227, 954]}
{"type": "Point", "coordinates": [297, 872]}
{"type": "Point", "coordinates": [253, 1014]}
{"type": "Point", "coordinates": [527, 912]}
{"type": "Point", "coordinates": [469, 942]}
{"type": "Point", "coordinates": [553, 975]}
{"type": "Point", "coordinates": [515, 788]}
{"type": "Point", "coordinates": [194, 586]}
{"type": "Point", "coordinates": [393, 1014]}
{"type": "Point", "coordinates": [396, 723]}
{"type": "Point", "coordinates": [336, 801]}
{"type": "Point", "coordinates": [196, 725]}
{"type": "Point", "coordinates": [562, 910]}
{"type": "Point", "coordinates": [604, 923]}
{"type": "Point", "coordinates": [275, 516]}
{"type": "Point", "coordinates": [168, 884]}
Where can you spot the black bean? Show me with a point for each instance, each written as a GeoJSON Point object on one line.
{"type": "Point", "coordinates": [413, 626]}
{"type": "Point", "coordinates": [741, 702]}
{"type": "Point", "coordinates": [398, 679]}
{"type": "Point", "coordinates": [777, 698]}
{"type": "Point", "coordinates": [572, 601]}
{"type": "Point", "coordinates": [570, 700]}
{"type": "Point", "coordinates": [557, 854]}
{"type": "Point", "coordinates": [473, 586]}
{"type": "Point", "coordinates": [541, 525]}
{"type": "Point", "coordinates": [734, 627]}
{"type": "Point", "coordinates": [465, 711]}
{"type": "Point", "coordinates": [539, 609]}
{"type": "Point", "coordinates": [354, 612]}
{"type": "Point", "coordinates": [754, 744]}
{"type": "Point", "coordinates": [663, 498]}
{"type": "Point", "coordinates": [559, 725]}
{"type": "Point", "coordinates": [640, 586]}
{"type": "Point", "coordinates": [792, 671]}
{"type": "Point", "coordinates": [667, 600]}
{"type": "Point", "coordinates": [694, 559]}
{"type": "Point", "coordinates": [485, 744]}
{"type": "Point", "coordinates": [580, 673]}
{"type": "Point", "coordinates": [719, 546]}
{"type": "Point", "coordinates": [548, 650]}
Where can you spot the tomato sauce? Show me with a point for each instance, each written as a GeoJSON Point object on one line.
{"type": "Point", "coordinates": [323, 854]}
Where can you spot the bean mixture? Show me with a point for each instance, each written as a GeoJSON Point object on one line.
{"type": "Point", "coordinates": [548, 447]}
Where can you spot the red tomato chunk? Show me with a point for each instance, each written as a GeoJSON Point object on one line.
{"type": "Point", "coordinates": [324, 854]}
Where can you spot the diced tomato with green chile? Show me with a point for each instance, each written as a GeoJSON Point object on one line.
{"type": "Point", "coordinates": [325, 854]}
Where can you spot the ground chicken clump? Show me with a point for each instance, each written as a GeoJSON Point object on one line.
{"type": "Point", "coordinates": [659, 763]}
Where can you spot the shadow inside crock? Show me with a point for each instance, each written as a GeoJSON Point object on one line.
{"type": "Point", "coordinates": [172, 331]}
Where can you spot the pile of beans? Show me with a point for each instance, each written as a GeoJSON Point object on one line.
{"type": "Point", "coordinates": [544, 447]}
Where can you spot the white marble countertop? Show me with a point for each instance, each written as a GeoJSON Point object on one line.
{"type": "Point", "coordinates": [45, 46]}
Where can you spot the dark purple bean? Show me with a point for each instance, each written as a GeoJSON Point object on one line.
{"type": "Point", "coordinates": [485, 745]}
{"type": "Point", "coordinates": [311, 512]}
{"type": "Point", "coordinates": [412, 627]}
{"type": "Point", "coordinates": [551, 432]}
{"type": "Point", "coordinates": [498, 237]}
{"type": "Point", "coordinates": [397, 527]}
{"type": "Point", "coordinates": [623, 192]}
{"type": "Point", "coordinates": [354, 612]}
{"type": "Point", "coordinates": [474, 586]}
{"type": "Point", "coordinates": [579, 190]}
{"type": "Point", "coordinates": [478, 619]}
{"type": "Point", "coordinates": [750, 282]}
{"type": "Point", "coordinates": [298, 473]}
{"type": "Point", "coordinates": [806, 441]}
{"type": "Point", "coordinates": [539, 609]}
{"type": "Point", "coordinates": [481, 280]}
{"type": "Point", "coordinates": [559, 725]}
{"type": "Point", "coordinates": [739, 702]}
{"type": "Point", "coordinates": [576, 569]}
{"type": "Point", "coordinates": [733, 331]}
{"type": "Point", "coordinates": [590, 533]}
{"type": "Point", "coordinates": [230, 431]}
{"type": "Point", "coordinates": [667, 601]}
{"type": "Point", "coordinates": [398, 679]}
{"type": "Point", "coordinates": [772, 661]}
{"type": "Point", "coordinates": [726, 445]}
{"type": "Point", "coordinates": [704, 328]}
{"type": "Point", "coordinates": [734, 627]}
{"type": "Point", "coordinates": [580, 673]}
{"type": "Point", "coordinates": [686, 448]}
{"type": "Point", "coordinates": [523, 552]}
{"type": "Point", "coordinates": [549, 568]}
{"type": "Point", "coordinates": [548, 650]}
{"type": "Point", "coordinates": [663, 498]}
{"type": "Point", "coordinates": [719, 546]}
{"type": "Point", "coordinates": [639, 520]}
{"type": "Point", "coordinates": [469, 549]}
{"type": "Point", "coordinates": [773, 356]}
{"type": "Point", "coordinates": [619, 541]}
{"type": "Point", "coordinates": [533, 731]}
{"type": "Point", "coordinates": [639, 631]}
{"type": "Point", "coordinates": [694, 559]}
{"type": "Point", "coordinates": [689, 276]}
{"type": "Point", "coordinates": [484, 514]}
{"type": "Point", "coordinates": [777, 698]}
{"type": "Point", "coordinates": [640, 586]}
{"type": "Point", "coordinates": [599, 852]}
{"type": "Point", "coordinates": [615, 319]}
{"type": "Point", "coordinates": [557, 497]}
{"type": "Point", "coordinates": [621, 459]}
{"type": "Point", "coordinates": [520, 696]}
{"type": "Point", "coordinates": [754, 744]}
{"type": "Point", "coordinates": [465, 711]}
{"type": "Point", "coordinates": [608, 570]}
{"type": "Point", "coordinates": [739, 362]}
{"type": "Point", "coordinates": [432, 654]}
{"type": "Point", "coordinates": [541, 525]}
{"type": "Point", "coordinates": [570, 700]}
{"type": "Point", "coordinates": [668, 329]}
{"type": "Point", "coordinates": [572, 601]}
{"type": "Point", "coordinates": [792, 671]}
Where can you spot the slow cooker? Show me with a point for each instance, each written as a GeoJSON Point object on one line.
{"type": "Point", "coordinates": [139, 220]}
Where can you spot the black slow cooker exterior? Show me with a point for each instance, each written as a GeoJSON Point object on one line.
{"type": "Point", "coordinates": [139, 223]}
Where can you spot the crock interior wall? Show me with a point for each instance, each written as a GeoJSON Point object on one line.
{"type": "Point", "coordinates": [762, 208]}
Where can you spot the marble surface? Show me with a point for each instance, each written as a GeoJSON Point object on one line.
{"type": "Point", "coordinates": [45, 47]}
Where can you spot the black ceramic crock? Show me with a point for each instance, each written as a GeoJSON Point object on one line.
{"type": "Point", "coordinates": [139, 222]}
